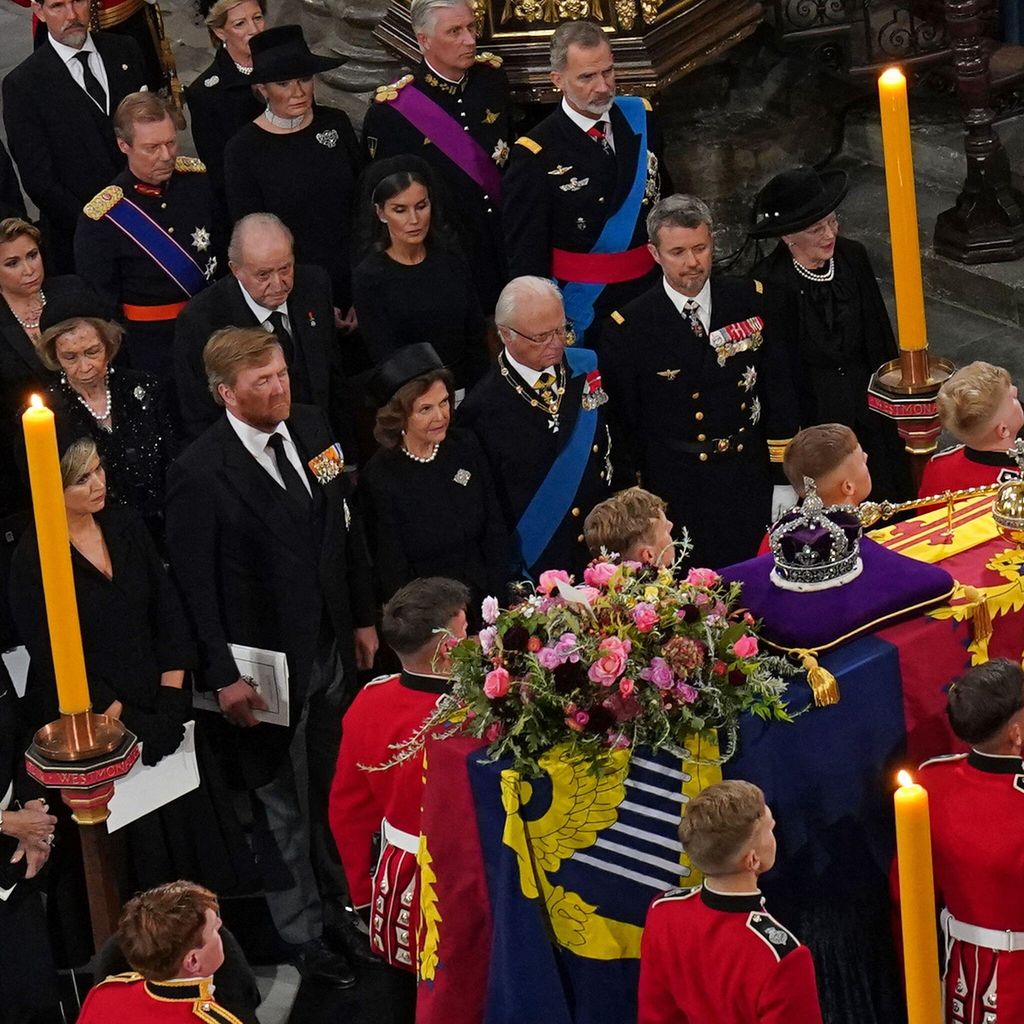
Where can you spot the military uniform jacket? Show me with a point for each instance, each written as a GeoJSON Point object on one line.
{"type": "Point", "coordinates": [702, 435]}
{"type": "Point", "coordinates": [128, 997]}
{"type": "Point", "coordinates": [482, 104]}
{"type": "Point", "coordinates": [959, 467]}
{"type": "Point", "coordinates": [561, 187]}
{"type": "Point", "coordinates": [520, 448]}
{"type": "Point", "coordinates": [121, 273]}
{"type": "Point", "coordinates": [977, 806]}
{"type": "Point", "coordinates": [707, 957]}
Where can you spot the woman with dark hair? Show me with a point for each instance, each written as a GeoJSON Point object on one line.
{"type": "Point", "coordinates": [273, 162]}
{"type": "Point", "coordinates": [831, 304]}
{"type": "Point", "coordinates": [413, 286]}
{"type": "Point", "coordinates": [432, 509]}
{"type": "Point", "coordinates": [122, 410]}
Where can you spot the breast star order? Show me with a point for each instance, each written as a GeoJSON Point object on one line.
{"type": "Point", "coordinates": [201, 239]}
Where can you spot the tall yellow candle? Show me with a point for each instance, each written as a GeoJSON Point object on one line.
{"type": "Point", "coordinates": [55, 558]}
{"type": "Point", "coordinates": [899, 187]}
{"type": "Point", "coordinates": [917, 903]}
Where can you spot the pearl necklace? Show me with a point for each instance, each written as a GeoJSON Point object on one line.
{"type": "Point", "coordinates": [98, 417]}
{"type": "Point", "coordinates": [826, 275]}
{"type": "Point", "coordinates": [32, 325]}
{"type": "Point", "coordinates": [242, 69]}
{"type": "Point", "coordinates": [287, 123]}
{"type": "Point", "coordinates": [421, 458]}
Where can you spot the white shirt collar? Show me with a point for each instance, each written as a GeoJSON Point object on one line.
{"type": "Point", "coordinates": [584, 121]}
{"type": "Point", "coordinates": [444, 78]}
{"type": "Point", "coordinates": [255, 440]}
{"type": "Point", "coordinates": [530, 376]}
{"type": "Point", "coordinates": [702, 298]}
{"type": "Point", "coordinates": [68, 53]}
{"type": "Point", "coordinates": [262, 312]}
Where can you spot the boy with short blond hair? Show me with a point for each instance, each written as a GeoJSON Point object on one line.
{"type": "Point", "coordinates": [632, 524]}
{"type": "Point", "coordinates": [978, 405]}
{"type": "Point", "coordinates": [713, 953]}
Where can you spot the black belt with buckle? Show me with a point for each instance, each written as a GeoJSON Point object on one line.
{"type": "Point", "coordinates": [715, 446]}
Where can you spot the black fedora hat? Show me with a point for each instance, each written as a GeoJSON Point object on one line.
{"type": "Point", "coordinates": [406, 364]}
{"type": "Point", "coordinates": [70, 306]}
{"type": "Point", "coordinates": [796, 199]}
{"type": "Point", "coordinates": [281, 54]}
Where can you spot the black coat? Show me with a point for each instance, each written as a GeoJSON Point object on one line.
{"type": "Point", "coordinates": [314, 365]}
{"type": "Point", "coordinates": [839, 335]}
{"type": "Point", "coordinates": [520, 448]}
{"type": "Point", "coordinates": [121, 272]}
{"type": "Point", "coordinates": [62, 142]}
{"type": "Point", "coordinates": [483, 104]}
{"type": "Point", "coordinates": [672, 398]}
{"type": "Point", "coordinates": [439, 518]}
{"type": "Point", "coordinates": [12, 203]}
{"type": "Point", "coordinates": [560, 197]}
{"type": "Point", "coordinates": [255, 569]}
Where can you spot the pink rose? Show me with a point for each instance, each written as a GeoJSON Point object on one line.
{"type": "Point", "coordinates": [549, 658]}
{"type": "Point", "coordinates": [719, 668]}
{"type": "Point", "coordinates": [550, 578]}
{"type": "Point", "coordinates": [611, 662]}
{"type": "Point", "coordinates": [700, 600]}
{"type": "Point", "coordinates": [486, 638]}
{"type": "Point", "coordinates": [489, 610]}
{"type": "Point", "coordinates": [626, 686]}
{"type": "Point", "coordinates": [745, 647]}
{"type": "Point", "coordinates": [645, 616]}
{"type": "Point", "coordinates": [566, 647]}
{"type": "Point", "coordinates": [577, 721]}
{"type": "Point", "coordinates": [618, 741]}
{"type": "Point", "coordinates": [599, 574]}
{"type": "Point", "coordinates": [496, 683]}
{"type": "Point", "coordinates": [589, 594]}
{"type": "Point", "coordinates": [493, 732]}
{"type": "Point", "coordinates": [703, 578]}
{"type": "Point", "coordinates": [659, 673]}
{"type": "Point", "coordinates": [686, 692]}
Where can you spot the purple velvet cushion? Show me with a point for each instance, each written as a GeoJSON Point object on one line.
{"type": "Point", "coordinates": [890, 587]}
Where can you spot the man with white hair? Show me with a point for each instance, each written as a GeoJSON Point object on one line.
{"type": "Point", "coordinates": [538, 415]}
{"type": "Point", "coordinates": [580, 184]}
{"type": "Point", "coordinates": [454, 112]}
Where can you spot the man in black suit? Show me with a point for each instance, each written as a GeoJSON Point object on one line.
{"type": "Point", "coordinates": [58, 104]}
{"type": "Point", "coordinates": [700, 383]}
{"type": "Point", "coordinates": [539, 419]}
{"type": "Point", "coordinates": [266, 289]}
{"type": "Point", "coordinates": [582, 166]}
{"type": "Point", "coordinates": [269, 554]}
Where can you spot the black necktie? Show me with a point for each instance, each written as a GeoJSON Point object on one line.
{"type": "Point", "coordinates": [691, 312]}
{"type": "Point", "coordinates": [276, 320]}
{"type": "Point", "coordinates": [92, 83]}
{"type": "Point", "coordinates": [292, 482]}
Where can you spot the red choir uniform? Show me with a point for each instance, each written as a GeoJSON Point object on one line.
{"type": "Point", "coordinates": [129, 997]}
{"type": "Point", "coordinates": [960, 467]}
{"type": "Point", "coordinates": [707, 956]}
{"type": "Point", "coordinates": [977, 822]}
{"type": "Point", "coordinates": [388, 712]}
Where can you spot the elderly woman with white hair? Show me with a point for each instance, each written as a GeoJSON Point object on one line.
{"type": "Point", "coordinates": [540, 418]}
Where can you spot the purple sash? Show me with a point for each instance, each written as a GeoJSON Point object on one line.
{"type": "Point", "coordinates": [449, 136]}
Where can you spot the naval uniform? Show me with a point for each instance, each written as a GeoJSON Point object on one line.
{"type": "Point", "coordinates": [562, 186]}
{"type": "Point", "coordinates": [129, 278]}
{"type": "Point", "coordinates": [482, 105]}
{"type": "Point", "coordinates": [977, 808]}
{"type": "Point", "coordinates": [129, 997]}
{"type": "Point", "coordinates": [517, 434]}
{"type": "Point", "coordinates": [705, 419]}
{"type": "Point", "coordinates": [707, 956]}
{"type": "Point", "coordinates": [368, 799]}
{"type": "Point", "coordinates": [960, 467]}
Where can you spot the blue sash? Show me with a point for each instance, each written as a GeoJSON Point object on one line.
{"type": "Point", "coordinates": [555, 495]}
{"type": "Point", "coordinates": [617, 232]}
{"type": "Point", "coordinates": [158, 246]}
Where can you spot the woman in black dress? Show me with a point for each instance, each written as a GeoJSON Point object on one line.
{"type": "Point", "coordinates": [432, 505]}
{"type": "Point", "coordinates": [830, 304]}
{"type": "Point", "coordinates": [122, 410]}
{"type": "Point", "coordinates": [413, 287]}
{"type": "Point", "coordinates": [296, 160]}
{"type": "Point", "coordinates": [220, 99]}
{"type": "Point", "coordinates": [137, 647]}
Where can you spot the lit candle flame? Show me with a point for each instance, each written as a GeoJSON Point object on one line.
{"type": "Point", "coordinates": [892, 76]}
{"type": "Point", "coordinates": [904, 778]}
{"type": "Point", "coordinates": [36, 402]}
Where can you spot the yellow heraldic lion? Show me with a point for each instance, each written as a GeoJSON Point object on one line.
{"type": "Point", "coordinates": [583, 805]}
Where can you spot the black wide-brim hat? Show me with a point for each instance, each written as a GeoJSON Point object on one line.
{"type": "Point", "coordinates": [280, 54]}
{"type": "Point", "coordinates": [796, 199]}
{"type": "Point", "coordinates": [405, 365]}
{"type": "Point", "coordinates": [70, 306]}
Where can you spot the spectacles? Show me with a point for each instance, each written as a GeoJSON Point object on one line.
{"type": "Point", "coordinates": [562, 333]}
{"type": "Point", "coordinates": [820, 230]}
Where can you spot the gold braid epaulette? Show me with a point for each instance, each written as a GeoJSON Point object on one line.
{"type": "Point", "coordinates": [777, 448]}
{"type": "Point", "coordinates": [489, 58]}
{"type": "Point", "coordinates": [103, 202]}
{"type": "Point", "coordinates": [125, 977]}
{"type": "Point", "coordinates": [189, 165]}
{"type": "Point", "coordinates": [385, 93]}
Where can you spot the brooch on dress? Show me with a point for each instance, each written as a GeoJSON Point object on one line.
{"type": "Point", "coordinates": [593, 394]}
{"type": "Point", "coordinates": [462, 477]}
{"type": "Point", "coordinates": [328, 138]}
{"type": "Point", "coordinates": [328, 464]}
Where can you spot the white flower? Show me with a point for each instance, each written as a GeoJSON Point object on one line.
{"type": "Point", "coordinates": [487, 638]}
{"type": "Point", "coordinates": [489, 609]}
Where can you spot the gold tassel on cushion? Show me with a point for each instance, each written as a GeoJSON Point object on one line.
{"type": "Point", "coordinates": [824, 687]}
{"type": "Point", "coordinates": [981, 617]}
